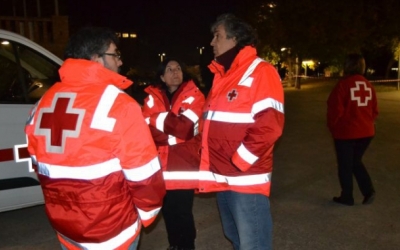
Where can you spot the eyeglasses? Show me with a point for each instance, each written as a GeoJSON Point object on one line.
{"type": "Point", "coordinates": [117, 55]}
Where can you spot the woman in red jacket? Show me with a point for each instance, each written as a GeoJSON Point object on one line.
{"type": "Point", "coordinates": [172, 110]}
{"type": "Point", "coordinates": [352, 110]}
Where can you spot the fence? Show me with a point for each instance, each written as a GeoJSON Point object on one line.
{"type": "Point", "coordinates": [288, 83]}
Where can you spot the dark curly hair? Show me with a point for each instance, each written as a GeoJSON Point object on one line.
{"type": "Point", "coordinates": [245, 34]}
{"type": "Point", "coordinates": [89, 41]}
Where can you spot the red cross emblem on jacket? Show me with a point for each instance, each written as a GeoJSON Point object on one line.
{"type": "Point", "coordinates": [59, 121]}
{"type": "Point", "coordinates": [361, 93]}
{"type": "Point", "coordinates": [232, 95]}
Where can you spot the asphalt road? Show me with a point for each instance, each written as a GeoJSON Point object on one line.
{"type": "Point", "coordinates": [303, 184]}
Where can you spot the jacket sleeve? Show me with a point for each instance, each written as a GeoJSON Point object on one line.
{"type": "Point", "coordinates": [140, 163]}
{"type": "Point", "coordinates": [160, 138]}
{"type": "Point", "coordinates": [182, 123]}
{"type": "Point", "coordinates": [335, 107]}
{"type": "Point", "coordinates": [268, 115]}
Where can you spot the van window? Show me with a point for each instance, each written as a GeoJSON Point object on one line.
{"type": "Point", "coordinates": [25, 74]}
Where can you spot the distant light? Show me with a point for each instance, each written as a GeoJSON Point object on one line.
{"type": "Point", "coordinates": [162, 55]}
{"type": "Point", "coordinates": [308, 63]}
{"type": "Point", "coordinates": [283, 49]}
{"type": "Point", "coordinates": [5, 42]}
{"type": "Point", "coordinates": [126, 35]}
{"type": "Point", "coordinates": [200, 50]}
{"type": "Point", "coordinates": [370, 71]}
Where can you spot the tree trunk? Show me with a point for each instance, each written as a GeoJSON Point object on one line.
{"type": "Point", "coordinates": [389, 67]}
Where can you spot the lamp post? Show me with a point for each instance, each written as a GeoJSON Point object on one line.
{"type": "Point", "coordinates": [162, 55]}
{"type": "Point", "coordinates": [200, 50]}
{"type": "Point", "coordinates": [398, 69]}
{"type": "Point", "coordinates": [297, 79]}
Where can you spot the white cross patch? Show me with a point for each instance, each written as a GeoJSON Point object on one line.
{"type": "Point", "coordinates": [361, 93]}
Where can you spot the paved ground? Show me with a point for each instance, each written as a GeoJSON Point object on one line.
{"type": "Point", "coordinates": [305, 180]}
{"type": "Point", "coordinates": [303, 184]}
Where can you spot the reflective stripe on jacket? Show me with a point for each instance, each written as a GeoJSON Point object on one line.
{"type": "Point", "coordinates": [175, 131]}
{"type": "Point", "coordinates": [97, 163]}
{"type": "Point", "coordinates": [243, 118]}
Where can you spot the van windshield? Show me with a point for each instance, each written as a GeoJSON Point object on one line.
{"type": "Point", "coordinates": [25, 74]}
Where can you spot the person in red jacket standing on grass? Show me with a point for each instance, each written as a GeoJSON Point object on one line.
{"type": "Point", "coordinates": [96, 160]}
{"type": "Point", "coordinates": [173, 109]}
{"type": "Point", "coordinates": [352, 110]}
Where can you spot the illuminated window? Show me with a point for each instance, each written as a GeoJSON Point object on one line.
{"type": "Point", "coordinates": [126, 35]}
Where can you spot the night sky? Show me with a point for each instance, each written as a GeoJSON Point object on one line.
{"type": "Point", "coordinates": [174, 27]}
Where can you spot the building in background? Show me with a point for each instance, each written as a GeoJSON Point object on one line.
{"type": "Point", "coordinates": [42, 21]}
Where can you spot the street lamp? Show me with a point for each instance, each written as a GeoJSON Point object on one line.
{"type": "Point", "coordinates": [162, 55]}
{"type": "Point", "coordinates": [200, 50]}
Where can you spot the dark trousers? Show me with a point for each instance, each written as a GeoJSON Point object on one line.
{"type": "Point", "coordinates": [178, 217]}
{"type": "Point", "coordinates": [349, 155]}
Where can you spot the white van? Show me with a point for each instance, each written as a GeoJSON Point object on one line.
{"type": "Point", "coordinates": [27, 70]}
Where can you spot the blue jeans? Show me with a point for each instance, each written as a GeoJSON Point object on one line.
{"type": "Point", "coordinates": [246, 220]}
{"type": "Point", "coordinates": [132, 246]}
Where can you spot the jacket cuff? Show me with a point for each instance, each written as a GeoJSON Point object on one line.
{"type": "Point", "coordinates": [148, 217]}
{"type": "Point", "coordinates": [243, 158]}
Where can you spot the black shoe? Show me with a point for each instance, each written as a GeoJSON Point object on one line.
{"type": "Point", "coordinates": [369, 198]}
{"type": "Point", "coordinates": [341, 200]}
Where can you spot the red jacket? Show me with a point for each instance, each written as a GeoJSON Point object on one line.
{"type": "Point", "coordinates": [97, 163]}
{"type": "Point", "coordinates": [244, 118]}
{"type": "Point", "coordinates": [176, 133]}
{"type": "Point", "coordinates": [352, 108]}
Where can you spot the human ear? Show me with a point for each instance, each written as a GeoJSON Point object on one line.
{"type": "Point", "coordinates": [97, 58]}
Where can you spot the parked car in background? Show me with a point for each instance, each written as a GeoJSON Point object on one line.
{"type": "Point", "coordinates": [27, 70]}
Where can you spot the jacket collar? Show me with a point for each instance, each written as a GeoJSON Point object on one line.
{"type": "Point", "coordinates": [244, 55]}
{"type": "Point", "coordinates": [227, 58]}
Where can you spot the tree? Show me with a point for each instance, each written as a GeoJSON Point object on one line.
{"type": "Point", "coordinates": [328, 29]}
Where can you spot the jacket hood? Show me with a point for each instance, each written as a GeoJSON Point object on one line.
{"type": "Point", "coordinates": [78, 71]}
